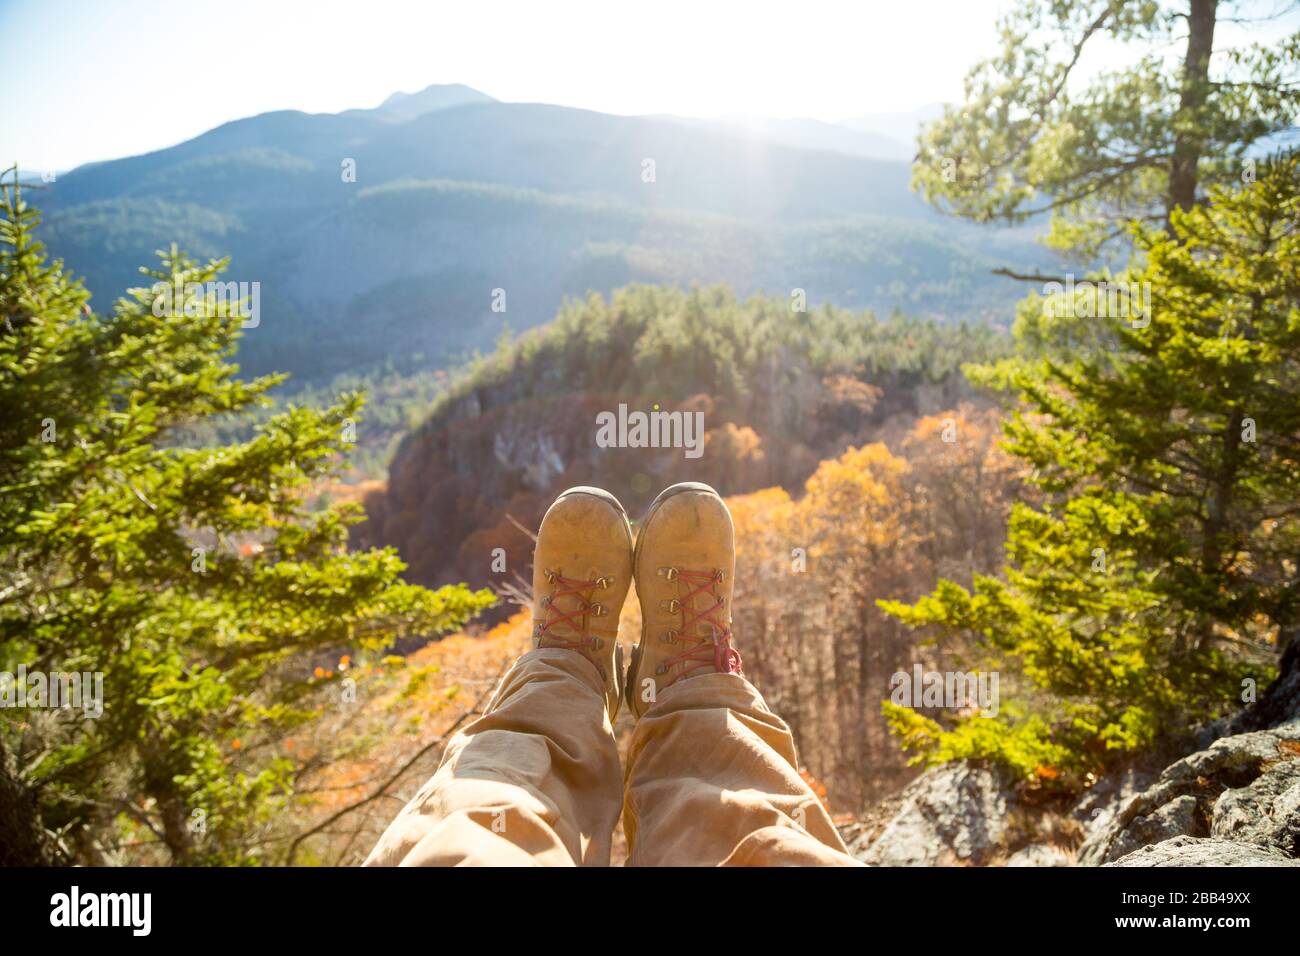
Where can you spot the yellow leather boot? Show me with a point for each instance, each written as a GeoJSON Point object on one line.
{"type": "Point", "coordinates": [683, 566]}
{"type": "Point", "coordinates": [582, 569]}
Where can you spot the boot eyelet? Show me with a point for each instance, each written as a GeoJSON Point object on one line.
{"type": "Point", "coordinates": [605, 582]}
{"type": "Point", "coordinates": [597, 610]}
{"type": "Point", "coordinates": [661, 670]}
{"type": "Point", "coordinates": [597, 643]}
{"type": "Point", "coordinates": [672, 605]}
{"type": "Point", "coordinates": [669, 637]}
{"type": "Point", "coordinates": [668, 573]}
{"type": "Point", "coordinates": [550, 575]}
{"type": "Point", "coordinates": [721, 575]}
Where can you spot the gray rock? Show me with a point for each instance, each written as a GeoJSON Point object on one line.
{"type": "Point", "coordinates": [1039, 854]}
{"type": "Point", "coordinates": [1185, 800]}
{"type": "Point", "coordinates": [1178, 817]}
{"type": "Point", "coordinates": [1266, 813]}
{"type": "Point", "coordinates": [949, 815]}
{"type": "Point", "coordinates": [1194, 851]}
{"type": "Point", "coordinates": [1102, 802]}
{"type": "Point", "coordinates": [1233, 802]}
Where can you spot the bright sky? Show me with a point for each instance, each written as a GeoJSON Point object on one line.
{"type": "Point", "coordinates": [99, 79]}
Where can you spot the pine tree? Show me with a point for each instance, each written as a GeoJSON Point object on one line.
{"type": "Point", "coordinates": [1184, 112]}
{"type": "Point", "coordinates": [196, 580]}
{"type": "Point", "coordinates": [1163, 567]}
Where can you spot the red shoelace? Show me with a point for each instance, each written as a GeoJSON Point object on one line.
{"type": "Point", "coordinates": [577, 618]}
{"type": "Point", "coordinates": [713, 651]}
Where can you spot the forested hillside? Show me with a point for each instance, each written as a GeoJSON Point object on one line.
{"type": "Point", "coordinates": [383, 235]}
{"type": "Point", "coordinates": [779, 391]}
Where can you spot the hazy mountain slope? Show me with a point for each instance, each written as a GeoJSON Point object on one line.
{"type": "Point", "coordinates": [812, 134]}
{"type": "Point", "coordinates": [557, 149]}
{"type": "Point", "coordinates": [434, 251]}
{"type": "Point", "coordinates": [319, 140]}
{"type": "Point", "coordinates": [901, 126]}
{"type": "Point", "coordinates": [541, 201]}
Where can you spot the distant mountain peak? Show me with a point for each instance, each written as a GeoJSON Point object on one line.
{"type": "Point", "coordinates": [439, 96]}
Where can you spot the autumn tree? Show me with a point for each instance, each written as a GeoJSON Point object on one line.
{"type": "Point", "coordinates": [810, 570]}
{"type": "Point", "coordinates": [960, 488]}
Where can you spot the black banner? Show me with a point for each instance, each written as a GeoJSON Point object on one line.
{"type": "Point", "coordinates": [980, 906]}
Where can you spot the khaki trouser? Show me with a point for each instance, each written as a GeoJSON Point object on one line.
{"type": "Point", "coordinates": [711, 779]}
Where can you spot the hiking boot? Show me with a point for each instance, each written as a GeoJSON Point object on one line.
{"type": "Point", "coordinates": [683, 566]}
{"type": "Point", "coordinates": [582, 569]}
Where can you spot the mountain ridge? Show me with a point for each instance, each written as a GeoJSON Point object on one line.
{"type": "Point", "coordinates": [655, 200]}
{"type": "Point", "coordinates": [436, 96]}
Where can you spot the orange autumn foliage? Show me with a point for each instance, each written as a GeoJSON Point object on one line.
{"type": "Point", "coordinates": [870, 524]}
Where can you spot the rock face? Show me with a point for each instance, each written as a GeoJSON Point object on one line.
{"type": "Point", "coordinates": [951, 815]}
{"type": "Point", "coordinates": [1233, 802]}
{"type": "Point", "coordinates": [1244, 788]}
{"type": "Point", "coordinates": [1236, 802]}
{"type": "Point", "coordinates": [1100, 805]}
{"type": "Point", "coordinates": [1266, 813]}
{"type": "Point", "coordinates": [1175, 818]}
{"type": "Point", "coordinates": [1194, 851]}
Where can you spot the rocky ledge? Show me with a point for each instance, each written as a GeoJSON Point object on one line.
{"type": "Point", "coordinates": [1233, 802]}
